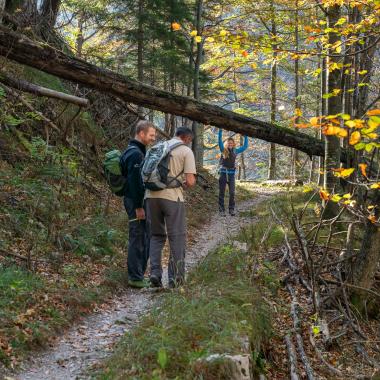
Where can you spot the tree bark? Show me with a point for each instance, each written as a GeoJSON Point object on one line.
{"type": "Point", "coordinates": [25, 51]}
{"type": "Point", "coordinates": [273, 101]}
{"type": "Point", "coordinates": [198, 129]}
{"type": "Point", "coordinates": [49, 11]}
{"type": "Point", "coordinates": [297, 101]}
{"type": "Point", "coordinates": [367, 260]}
{"type": "Point", "coordinates": [41, 91]}
{"type": "Point", "coordinates": [2, 7]}
{"type": "Point", "coordinates": [323, 90]}
{"type": "Point", "coordinates": [140, 48]}
{"type": "Point", "coordinates": [332, 144]}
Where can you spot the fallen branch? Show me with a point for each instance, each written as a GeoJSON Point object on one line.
{"type": "Point", "coordinates": [29, 106]}
{"type": "Point", "coordinates": [370, 291]}
{"type": "Point", "coordinates": [331, 368]}
{"type": "Point", "coordinates": [299, 339]}
{"type": "Point", "coordinates": [292, 357]}
{"type": "Point", "coordinates": [34, 89]}
{"type": "Point", "coordinates": [17, 256]}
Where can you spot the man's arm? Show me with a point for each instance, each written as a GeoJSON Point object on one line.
{"type": "Point", "coordinates": [135, 182]}
{"type": "Point", "coordinates": [189, 169]}
{"type": "Point", "coordinates": [190, 180]}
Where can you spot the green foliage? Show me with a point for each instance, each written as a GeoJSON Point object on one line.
{"type": "Point", "coordinates": [217, 308]}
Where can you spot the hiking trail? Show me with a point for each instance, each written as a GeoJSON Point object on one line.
{"type": "Point", "coordinates": [93, 338]}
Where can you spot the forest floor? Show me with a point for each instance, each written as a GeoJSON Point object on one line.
{"type": "Point", "coordinates": [93, 338]}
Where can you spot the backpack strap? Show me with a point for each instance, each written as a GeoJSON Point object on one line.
{"type": "Point", "coordinates": [124, 157]}
{"type": "Point", "coordinates": [171, 148]}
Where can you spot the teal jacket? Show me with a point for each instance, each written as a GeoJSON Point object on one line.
{"type": "Point", "coordinates": [227, 165]}
{"type": "Point", "coordinates": [237, 150]}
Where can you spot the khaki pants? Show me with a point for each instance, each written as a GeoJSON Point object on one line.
{"type": "Point", "coordinates": [167, 219]}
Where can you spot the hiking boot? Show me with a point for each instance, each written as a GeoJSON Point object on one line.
{"type": "Point", "coordinates": [138, 284]}
{"type": "Point", "coordinates": [232, 212]}
{"type": "Point", "coordinates": [155, 282]}
{"type": "Point", "coordinates": [222, 213]}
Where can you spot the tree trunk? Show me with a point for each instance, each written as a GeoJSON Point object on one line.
{"type": "Point", "coordinates": [80, 38]}
{"type": "Point", "coordinates": [49, 11]}
{"type": "Point", "coordinates": [2, 7]}
{"type": "Point", "coordinates": [21, 49]}
{"type": "Point", "coordinates": [367, 260]}
{"type": "Point", "coordinates": [273, 101]}
{"type": "Point", "coordinates": [334, 106]}
{"type": "Point", "coordinates": [323, 90]}
{"type": "Point", "coordinates": [140, 50]}
{"type": "Point", "coordinates": [297, 101]}
{"type": "Point", "coordinates": [198, 127]}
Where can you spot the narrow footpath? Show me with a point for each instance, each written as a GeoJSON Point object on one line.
{"type": "Point", "coordinates": [92, 339]}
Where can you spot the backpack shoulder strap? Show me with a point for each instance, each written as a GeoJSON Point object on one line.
{"type": "Point", "coordinates": [124, 157]}
{"type": "Point", "coordinates": [175, 145]}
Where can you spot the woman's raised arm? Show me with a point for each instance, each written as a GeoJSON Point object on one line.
{"type": "Point", "coordinates": [243, 147]}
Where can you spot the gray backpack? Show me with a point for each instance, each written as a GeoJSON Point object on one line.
{"type": "Point", "coordinates": [155, 171]}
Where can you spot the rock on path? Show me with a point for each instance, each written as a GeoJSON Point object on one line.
{"type": "Point", "coordinates": [92, 339]}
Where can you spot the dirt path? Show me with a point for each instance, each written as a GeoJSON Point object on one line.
{"type": "Point", "coordinates": [92, 340]}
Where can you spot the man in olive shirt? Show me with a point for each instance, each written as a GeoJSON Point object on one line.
{"type": "Point", "coordinates": [166, 211]}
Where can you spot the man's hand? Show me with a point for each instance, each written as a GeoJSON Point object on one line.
{"type": "Point", "coordinates": [190, 181]}
{"type": "Point", "coordinates": [140, 213]}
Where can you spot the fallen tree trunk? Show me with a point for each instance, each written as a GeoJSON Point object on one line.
{"type": "Point", "coordinates": [34, 89]}
{"type": "Point", "coordinates": [20, 48]}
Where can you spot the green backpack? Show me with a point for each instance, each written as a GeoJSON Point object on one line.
{"type": "Point", "coordinates": [113, 172]}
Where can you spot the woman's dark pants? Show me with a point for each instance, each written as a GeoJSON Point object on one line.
{"type": "Point", "coordinates": [225, 179]}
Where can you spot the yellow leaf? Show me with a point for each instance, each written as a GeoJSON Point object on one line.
{"type": "Point", "coordinates": [344, 173]}
{"type": "Point", "coordinates": [314, 121]}
{"type": "Point", "coordinates": [347, 196]}
{"type": "Point", "coordinates": [223, 33]}
{"type": "Point", "coordinates": [336, 198]}
{"type": "Point", "coordinates": [198, 39]}
{"type": "Point", "coordinates": [373, 113]}
{"type": "Point", "coordinates": [307, 189]}
{"type": "Point", "coordinates": [324, 195]}
{"type": "Point", "coordinates": [355, 138]}
{"type": "Point", "coordinates": [350, 123]}
{"type": "Point", "coordinates": [373, 124]}
{"type": "Point", "coordinates": [210, 39]}
{"type": "Point", "coordinates": [362, 72]}
{"type": "Point", "coordinates": [372, 219]}
{"type": "Point", "coordinates": [176, 26]}
{"type": "Point", "coordinates": [375, 185]}
{"type": "Point", "coordinates": [193, 33]}
{"type": "Point", "coordinates": [298, 112]}
{"type": "Point", "coordinates": [331, 130]}
{"type": "Point", "coordinates": [363, 168]}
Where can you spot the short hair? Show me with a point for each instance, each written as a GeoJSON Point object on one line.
{"type": "Point", "coordinates": [143, 126]}
{"type": "Point", "coordinates": [183, 131]}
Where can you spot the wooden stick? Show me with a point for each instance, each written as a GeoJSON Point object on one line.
{"type": "Point", "coordinates": [29, 106]}
{"type": "Point", "coordinates": [292, 357]}
{"type": "Point", "coordinates": [34, 89]}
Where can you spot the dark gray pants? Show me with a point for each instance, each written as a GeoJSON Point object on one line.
{"type": "Point", "coordinates": [138, 244]}
{"type": "Point", "coordinates": [167, 219]}
{"type": "Point", "coordinates": [225, 178]}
